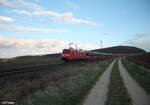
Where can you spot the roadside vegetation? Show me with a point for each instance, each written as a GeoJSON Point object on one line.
{"type": "Point", "coordinates": [139, 73]}
{"type": "Point", "coordinates": [142, 59]}
{"type": "Point", "coordinates": [67, 85]}
{"type": "Point", "coordinates": [118, 94]}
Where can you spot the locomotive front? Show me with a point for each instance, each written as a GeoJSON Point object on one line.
{"type": "Point", "coordinates": [66, 55]}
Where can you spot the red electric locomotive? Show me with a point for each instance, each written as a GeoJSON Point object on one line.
{"type": "Point", "coordinates": [73, 54]}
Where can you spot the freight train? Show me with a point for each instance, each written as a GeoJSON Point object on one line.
{"type": "Point", "coordinates": [73, 54]}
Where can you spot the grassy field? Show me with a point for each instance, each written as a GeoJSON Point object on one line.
{"type": "Point", "coordinates": [68, 85]}
{"type": "Point", "coordinates": [30, 60]}
{"type": "Point", "coordinates": [118, 94]}
{"type": "Point", "coordinates": [140, 74]}
{"type": "Point", "coordinates": [142, 59]}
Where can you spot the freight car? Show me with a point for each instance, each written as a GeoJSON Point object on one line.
{"type": "Point", "coordinates": [73, 54]}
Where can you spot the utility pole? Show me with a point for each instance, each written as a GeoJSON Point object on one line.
{"type": "Point", "coordinates": [70, 44]}
{"type": "Point", "coordinates": [101, 43]}
{"type": "Point", "coordinates": [76, 46]}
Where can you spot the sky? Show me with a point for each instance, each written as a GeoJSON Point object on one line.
{"type": "Point", "coordinates": [37, 27]}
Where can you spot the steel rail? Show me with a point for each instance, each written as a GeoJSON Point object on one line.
{"type": "Point", "coordinates": [22, 69]}
{"type": "Point", "coordinates": [31, 68]}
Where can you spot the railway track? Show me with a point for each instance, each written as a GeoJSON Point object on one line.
{"type": "Point", "coordinates": [34, 68]}
{"type": "Point", "coordinates": [31, 68]}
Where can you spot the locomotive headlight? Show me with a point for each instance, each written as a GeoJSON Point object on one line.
{"type": "Point", "coordinates": [67, 55]}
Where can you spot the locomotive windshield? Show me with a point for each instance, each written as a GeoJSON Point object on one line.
{"type": "Point", "coordinates": [66, 51]}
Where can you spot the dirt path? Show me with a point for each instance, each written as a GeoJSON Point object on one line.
{"type": "Point", "coordinates": [138, 95]}
{"type": "Point", "coordinates": [98, 94]}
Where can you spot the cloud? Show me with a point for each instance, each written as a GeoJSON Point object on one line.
{"type": "Point", "coordinates": [24, 29]}
{"type": "Point", "coordinates": [11, 47]}
{"type": "Point", "coordinates": [38, 10]}
{"type": "Point", "coordinates": [6, 43]}
{"type": "Point", "coordinates": [46, 13]}
{"type": "Point", "coordinates": [43, 13]}
{"type": "Point", "coordinates": [6, 19]}
{"type": "Point", "coordinates": [53, 13]}
{"type": "Point", "coordinates": [144, 44]}
{"type": "Point", "coordinates": [73, 20]}
{"type": "Point", "coordinates": [139, 36]}
{"type": "Point", "coordinates": [18, 47]}
{"type": "Point", "coordinates": [139, 40]}
{"type": "Point", "coordinates": [36, 0]}
{"type": "Point", "coordinates": [21, 4]}
{"type": "Point", "coordinates": [88, 46]}
{"type": "Point", "coordinates": [69, 15]}
{"type": "Point", "coordinates": [66, 17]}
{"type": "Point", "coordinates": [5, 3]}
{"type": "Point", "coordinates": [22, 12]}
{"type": "Point", "coordinates": [27, 5]}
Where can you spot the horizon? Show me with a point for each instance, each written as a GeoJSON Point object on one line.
{"type": "Point", "coordinates": [38, 27]}
{"type": "Point", "coordinates": [73, 48]}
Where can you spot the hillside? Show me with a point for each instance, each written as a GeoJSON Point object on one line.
{"type": "Point", "coordinates": [143, 60]}
{"type": "Point", "coordinates": [39, 56]}
{"type": "Point", "coordinates": [31, 60]}
{"type": "Point", "coordinates": [121, 50]}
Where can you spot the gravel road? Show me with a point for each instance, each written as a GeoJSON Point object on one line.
{"type": "Point", "coordinates": [138, 95]}
{"type": "Point", "coordinates": [98, 94]}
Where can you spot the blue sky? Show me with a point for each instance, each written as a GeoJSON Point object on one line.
{"type": "Point", "coordinates": [52, 24]}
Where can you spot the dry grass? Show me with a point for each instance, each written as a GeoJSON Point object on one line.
{"type": "Point", "coordinates": [118, 94]}
{"type": "Point", "coordinates": [65, 85]}
{"type": "Point", "coordinates": [140, 74]}
{"type": "Point", "coordinates": [13, 62]}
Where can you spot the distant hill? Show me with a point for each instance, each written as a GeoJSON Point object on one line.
{"type": "Point", "coordinates": [31, 60]}
{"type": "Point", "coordinates": [114, 50]}
{"type": "Point", "coordinates": [39, 56]}
{"type": "Point", "coordinates": [121, 50]}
